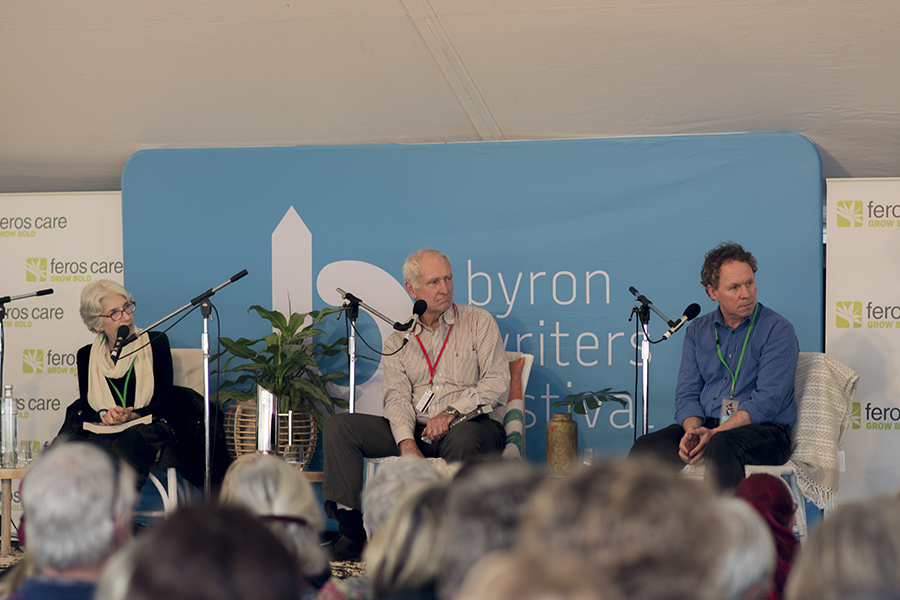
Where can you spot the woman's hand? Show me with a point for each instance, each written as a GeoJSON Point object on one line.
{"type": "Point", "coordinates": [118, 414]}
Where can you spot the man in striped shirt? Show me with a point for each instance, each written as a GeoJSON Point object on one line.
{"type": "Point", "coordinates": [734, 402]}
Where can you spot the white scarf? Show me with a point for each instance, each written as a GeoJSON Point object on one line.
{"type": "Point", "coordinates": [101, 366]}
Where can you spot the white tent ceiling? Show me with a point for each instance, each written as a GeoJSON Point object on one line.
{"type": "Point", "coordinates": [85, 84]}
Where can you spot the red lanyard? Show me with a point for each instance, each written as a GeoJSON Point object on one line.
{"type": "Point", "coordinates": [433, 368]}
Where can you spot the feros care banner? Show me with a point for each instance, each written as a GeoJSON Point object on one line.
{"type": "Point", "coordinates": [62, 242]}
{"type": "Point", "coordinates": [862, 326]}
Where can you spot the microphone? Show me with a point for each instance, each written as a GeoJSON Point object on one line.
{"type": "Point", "coordinates": [419, 309]}
{"type": "Point", "coordinates": [121, 334]}
{"type": "Point", "coordinates": [689, 313]}
{"type": "Point", "coordinates": [639, 297]}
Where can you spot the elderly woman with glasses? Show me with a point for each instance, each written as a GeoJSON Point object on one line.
{"type": "Point", "coordinates": [116, 390]}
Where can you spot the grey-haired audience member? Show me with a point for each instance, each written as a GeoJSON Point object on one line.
{"type": "Point", "coordinates": [485, 506]}
{"type": "Point", "coordinates": [653, 534]}
{"type": "Point", "coordinates": [393, 482]}
{"type": "Point", "coordinates": [746, 562]}
{"type": "Point", "coordinates": [78, 500]}
{"type": "Point", "coordinates": [852, 554]}
{"type": "Point", "coordinates": [402, 559]}
{"type": "Point", "coordinates": [283, 499]}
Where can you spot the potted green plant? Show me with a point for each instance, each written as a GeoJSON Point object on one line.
{"type": "Point", "coordinates": [562, 430]}
{"type": "Point", "coordinates": [286, 363]}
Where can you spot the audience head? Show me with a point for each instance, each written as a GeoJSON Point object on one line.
{"type": "Point", "coordinates": [393, 482]}
{"type": "Point", "coordinates": [78, 500]}
{"type": "Point", "coordinates": [746, 561]}
{"type": "Point", "coordinates": [519, 576]}
{"type": "Point", "coordinates": [403, 558]}
{"type": "Point", "coordinates": [770, 495]}
{"type": "Point", "coordinates": [851, 554]}
{"type": "Point", "coordinates": [92, 297]}
{"type": "Point", "coordinates": [654, 533]}
{"type": "Point", "coordinates": [211, 553]}
{"type": "Point", "coordinates": [485, 506]}
{"type": "Point", "coordinates": [284, 500]}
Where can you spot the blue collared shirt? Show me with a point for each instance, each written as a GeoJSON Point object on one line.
{"type": "Point", "coordinates": [765, 383]}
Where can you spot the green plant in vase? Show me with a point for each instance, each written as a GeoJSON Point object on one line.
{"type": "Point", "coordinates": [285, 362]}
{"type": "Point", "coordinates": [584, 401]}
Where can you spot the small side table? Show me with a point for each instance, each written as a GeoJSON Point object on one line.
{"type": "Point", "coordinates": [6, 477]}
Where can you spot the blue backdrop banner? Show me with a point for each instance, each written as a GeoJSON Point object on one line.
{"type": "Point", "coordinates": [548, 236]}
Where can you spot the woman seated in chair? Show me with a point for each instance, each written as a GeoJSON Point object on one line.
{"type": "Point", "coordinates": [114, 393]}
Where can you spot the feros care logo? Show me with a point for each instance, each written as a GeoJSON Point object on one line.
{"type": "Point", "coordinates": [883, 418]}
{"type": "Point", "coordinates": [848, 315]}
{"type": "Point", "coordinates": [855, 415]}
{"type": "Point", "coordinates": [36, 269]}
{"type": "Point", "coordinates": [850, 213]}
{"type": "Point", "coordinates": [40, 361]}
{"type": "Point", "coordinates": [33, 361]}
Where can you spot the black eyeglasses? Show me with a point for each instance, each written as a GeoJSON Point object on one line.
{"type": "Point", "coordinates": [116, 315]}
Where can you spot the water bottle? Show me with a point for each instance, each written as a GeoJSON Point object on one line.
{"type": "Point", "coordinates": [8, 428]}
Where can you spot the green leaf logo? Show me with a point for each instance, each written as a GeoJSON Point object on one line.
{"type": "Point", "coordinates": [33, 361]}
{"type": "Point", "coordinates": [848, 315]}
{"type": "Point", "coordinates": [36, 269]}
{"type": "Point", "coordinates": [855, 415]}
{"type": "Point", "coordinates": [850, 213]}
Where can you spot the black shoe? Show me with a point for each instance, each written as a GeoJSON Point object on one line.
{"type": "Point", "coordinates": [342, 548]}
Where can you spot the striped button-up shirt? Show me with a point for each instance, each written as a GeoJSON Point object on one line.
{"type": "Point", "coordinates": [472, 371]}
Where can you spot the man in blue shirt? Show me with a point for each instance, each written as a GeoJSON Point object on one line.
{"type": "Point", "coordinates": [734, 403]}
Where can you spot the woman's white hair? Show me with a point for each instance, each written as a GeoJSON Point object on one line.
{"type": "Point", "coordinates": [73, 496]}
{"type": "Point", "coordinates": [392, 483]}
{"type": "Point", "coordinates": [747, 560]}
{"type": "Point", "coordinates": [276, 492]}
{"type": "Point", "coordinates": [91, 297]}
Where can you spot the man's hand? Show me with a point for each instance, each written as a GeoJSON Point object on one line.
{"type": "Point", "coordinates": [437, 427]}
{"type": "Point", "coordinates": [408, 448]}
{"type": "Point", "coordinates": [694, 443]}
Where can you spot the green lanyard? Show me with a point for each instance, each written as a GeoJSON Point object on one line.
{"type": "Point", "coordinates": [734, 374]}
{"type": "Point", "coordinates": [121, 394]}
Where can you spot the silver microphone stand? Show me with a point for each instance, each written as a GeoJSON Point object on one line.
{"type": "Point", "coordinates": [206, 311]}
{"type": "Point", "coordinates": [352, 309]}
{"type": "Point", "coordinates": [644, 317]}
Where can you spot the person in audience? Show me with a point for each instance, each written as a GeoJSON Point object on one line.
{"type": "Point", "coordinates": [486, 504]}
{"type": "Point", "coordinates": [403, 558]}
{"type": "Point", "coordinates": [734, 402]}
{"type": "Point", "coordinates": [283, 499]}
{"type": "Point", "coordinates": [393, 482]}
{"type": "Point", "coordinates": [773, 500]}
{"type": "Point", "coordinates": [519, 576]}
{"type": "Point", "coordinates": [78, 501]}
{"type": "Point", "coordinates": [851, 554]}
{"type": "Point", "coordinates": [654, 534]}
{"type": "Point", "coordinates": [208, 553]}
{"type": "Point", "coordinates": [114, 394]}
{"type": "Point", "coordinates": [746, 562]}
{"type": "Point", "coordinates": [454, 363]}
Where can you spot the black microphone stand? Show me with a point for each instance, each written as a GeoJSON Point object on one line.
{"type": "Point", "coordinates": [3, 302]}
{"type": "Point", "coordinates": [352, 309]}
{"type": "Point", "coordinates": [206, 311]}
